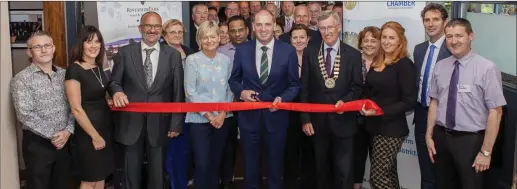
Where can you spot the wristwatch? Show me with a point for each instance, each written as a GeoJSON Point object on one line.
{"type": "Point", "coordinates": [485, 153]}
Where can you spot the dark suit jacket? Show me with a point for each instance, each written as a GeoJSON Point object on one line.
{"type": "Point", "coordinates": [282, 82]}
{"type": "Point", "coordinates": [348, 88]}
{"type": "Point", "coordinates": [315, 38]}
{"type": "Point", "coordinates": [187, 50]}
{"type": "Point", "coordinates": [193, 42]}
{"type": "Point", "coordinates": [419, 55]}
{"type": "Point", "coordinates": [128, 76]}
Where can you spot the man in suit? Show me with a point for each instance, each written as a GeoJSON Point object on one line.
{"type": "Point", "coordinates": [265, 70]}
{"type": "Point", "coordinates": [199, 15]}
{"type": "Point", "coordinates": [302, 16]}
{"type": "Point", "coordinates": [331, 74]}
{"type": "Point", "coordinates": [426, 54]}
{"type": "Point", "coordinates": [287, 15]}
{"type": "Point", "coordinates": [146, 72]}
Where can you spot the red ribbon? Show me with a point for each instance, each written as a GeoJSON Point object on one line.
{"type": "Point", "coordinates": [176, 107]}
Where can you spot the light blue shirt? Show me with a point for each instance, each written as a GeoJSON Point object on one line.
{"type": "Point", "coordinates": [333, 53]}
{"type": "Point", "coordinates": [206, 80]}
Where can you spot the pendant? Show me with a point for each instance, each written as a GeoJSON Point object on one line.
{"type": "Point", "coordinates": [102, 85]}
{"type": "Point", "coordinates": [330, 83]}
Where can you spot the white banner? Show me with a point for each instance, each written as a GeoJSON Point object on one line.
{"type": "Point", "coordinates": [356, 16]}
{"type": "Point", "coordinates": [118, 22]}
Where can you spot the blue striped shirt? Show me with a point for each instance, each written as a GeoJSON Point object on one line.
{"type": "Point", "coordinates": [206, 80]}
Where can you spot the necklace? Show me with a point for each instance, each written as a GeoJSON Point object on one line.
{"type": "Point", "coordinates": [329, 82]}
{"type": "Point", "coordinates": [99, 78]}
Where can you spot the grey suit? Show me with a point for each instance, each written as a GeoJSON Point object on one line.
{"type": "Point", "coordinates": [146, 133]}
{"type": "Point", "coordinates": [420, 119]}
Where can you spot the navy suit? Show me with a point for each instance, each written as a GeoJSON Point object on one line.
{"type": "Point", "coordinates": [420, 118]}
{"type": "Point", "coordinates": [262, 124]}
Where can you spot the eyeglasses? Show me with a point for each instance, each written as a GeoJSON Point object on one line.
{"type": "Point", "coordinates": [174, 33]}
{"type": "Point", "coordinates": [40, 47]}
{"type": "Point", "coordinates": [149, 26]}
{"type": "Point", "coordinates": [324, 29]}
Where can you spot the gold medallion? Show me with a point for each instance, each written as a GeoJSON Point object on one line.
{"type": "Point", "coordinates": [330, 83]}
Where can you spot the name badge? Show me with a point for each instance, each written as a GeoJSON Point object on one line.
{"type": "Point", "coordinates": [464, 89]}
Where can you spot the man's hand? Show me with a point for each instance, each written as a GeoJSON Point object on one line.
{"type": "Point", "coordinates": [120, 100]}
{"type": "Point", "coordinates": [338, 104]}
{"type": "Point", "coordinates": [247, 95]}
{"type": "Point", "coordinates": [277, 101]}
{"type": "Point", "coordinates": [60, 138]}
{"type": "Point", "coordinates": [308, 129]}
{"type": "Point", "coordinates": [172, 134]}
{"type": "Point", "coordinates": [430, 146]}
{"type": "Point", "coordinates": [370, 112]}
{"type": "Point", "coordinates": [482, 163]}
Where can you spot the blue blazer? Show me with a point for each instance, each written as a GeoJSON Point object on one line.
{"type": "Point", "coordinates": [283, 81]}
{"type": "Point", "coordinates": [419, 55]}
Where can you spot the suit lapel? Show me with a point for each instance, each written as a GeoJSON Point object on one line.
{"type": "Point", "coordinates": [274, 60]}
{"type": "Point", "coordinates": [162, 63]}
{"type": "Point", "coordinates": [342, 60]}
{"type": "Point", "coordinates": [444, 52]}
{"type": "Point", "coordinates": [252, 52]}
{"type": "Point", "coordinates": [136, 55]}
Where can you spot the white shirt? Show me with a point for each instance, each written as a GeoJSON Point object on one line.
{"type": "Point", "coordinates": [438, 46]}
{"type": "Point", "coordinates": [154, 56]}
{"type": "Point", "coordinates": [333, 53]}
{"type": "Point", "coordinates": [258, 54]}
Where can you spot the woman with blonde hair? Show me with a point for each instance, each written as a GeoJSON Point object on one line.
{"type": "Point", "coordinates": [390, 83]}
{"type": "Point", "coordinates": [206, 76]}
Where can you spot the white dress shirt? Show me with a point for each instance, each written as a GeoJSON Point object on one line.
{"type": "Point", "coordinates": [333, 53]}
{"type": "Point", "coordinates": [258, 54]}
{"type": "Point", "coordinates": [438, 45]}
{"type": "Point", "coordinates": [154, 56]}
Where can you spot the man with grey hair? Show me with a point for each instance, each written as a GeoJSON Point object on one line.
{"type": "Point", "coordinates": [315, 11]}
{"type": "Point", "coordinates": [331, 74]}
{"type": "Point", "coordinates": [302, 16]}
{"type": "Point", "coordinates": [199, 15]}
{"type": "Point", "coordinates": [232, 9]}
{"type": "Point", "coordinates": [41, 106]}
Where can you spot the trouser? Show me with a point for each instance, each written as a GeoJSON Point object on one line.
{"type": "Point", "coordinates": [179, 160]}
{"type": "Point", "coordinates": [47, 167]}
{"type": "Point", "coordinates": [334, 157]}
{"type": "Point", "coordinates": [208, 146]}
{"type": "Point", "coordinates": [455, 154]}
{"type": "Point", "coordinates": [361, 147]}
{"type": "Point", "coordinates": [383, 171]}
{"type": "Point", "coordinates": [426, 167]}
{"type": "Point", "coordinates": [299, 166]}
{"type": "Point", "coordinates": [229, 155]}
{"type": "Point", "coordinates": [134, 156]}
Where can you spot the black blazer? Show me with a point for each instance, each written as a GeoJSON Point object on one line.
{"type": "Point", "coordinates": [315, 38]}
{"type": "Point", "coordinates": [128, 76]}
{"type": "Point", "coordinates": [419, 55]}
{"type": "Point", "coordinates": [394, 91]}
{"type": "Point", "coordinates": [348, 87]}
{"type": "Point", "coordinates": [193, 42]}
{"type": "Point", "coordinates": [187, 50]}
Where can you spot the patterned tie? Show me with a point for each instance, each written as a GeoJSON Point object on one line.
{"type": "Point", "coordinates": [328, 60]}
{"type": "Point", "coordinates": [423, 94]}
{"type": "Point", "coordinates": [450, 116]}
{"type": "Point", "coordinates": [287, 24]}
{"type": "Point", "coordinates": [264, 66]}
{"type": "Point", "coordinates": [148, 66]}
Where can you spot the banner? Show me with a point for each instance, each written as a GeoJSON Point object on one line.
{"type": "Point", "coordinates": [118, 22]}
{"type": "Point", "coordinates": [356, 16]}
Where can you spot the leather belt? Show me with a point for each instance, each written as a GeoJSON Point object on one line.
{"type": "Point", "coordinates": [451, 132]}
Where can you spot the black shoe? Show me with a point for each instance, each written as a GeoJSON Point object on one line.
{"type": "Point", "coordinates": [226, 186]}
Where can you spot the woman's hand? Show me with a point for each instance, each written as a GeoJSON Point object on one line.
{"type": "Point", "coordinates": [370, 112]}
{"type": "Point", "coordinates": [98, 142]}
{"type": "Point", "coordinates": [218, 121]}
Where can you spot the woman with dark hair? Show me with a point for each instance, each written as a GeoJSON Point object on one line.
{"type": "Point", "coordinates": [92, 143]}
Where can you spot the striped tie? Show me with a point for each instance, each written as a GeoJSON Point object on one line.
{"type": "Point", "coordinates": [264, 66]}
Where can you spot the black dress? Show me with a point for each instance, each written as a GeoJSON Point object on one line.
{"type": "Point", "coordinates": [92, 165]}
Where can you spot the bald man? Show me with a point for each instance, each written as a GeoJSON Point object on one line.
{"type": "Point", "coordinates": [303, 16]}
{"type": "Point", "coordinates": [136, 78]}
{"type": "Point", "coordinates": [264, 70]}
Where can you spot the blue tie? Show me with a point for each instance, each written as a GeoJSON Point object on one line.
{"type": "Point", "coordinates": [450, 115]}
{"type": "Point", "coordinates": [423, 96]}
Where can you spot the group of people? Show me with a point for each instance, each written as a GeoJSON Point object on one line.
{"type": "Point", "coordinates": [455, 93]}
